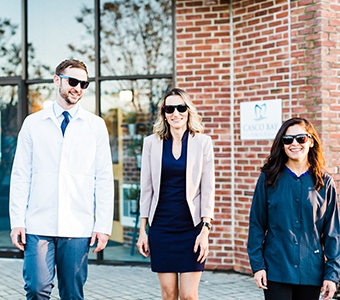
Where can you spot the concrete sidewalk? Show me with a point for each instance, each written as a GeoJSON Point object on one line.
{"type": "Point", "coordinates": [132, 282]}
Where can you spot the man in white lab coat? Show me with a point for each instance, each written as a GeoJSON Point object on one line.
{"type": "Point", "coordinates": [61, 193]}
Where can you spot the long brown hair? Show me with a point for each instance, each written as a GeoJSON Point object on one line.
{"type": "Point", "coordinates": [277, 159]}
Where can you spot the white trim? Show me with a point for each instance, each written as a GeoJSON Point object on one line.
{"type": "Point", "coordinates": [232, 132]}
{"type": "Point", "coordinates": [290, 59]}
{"type": "Point", "coordinates": [126, 218]}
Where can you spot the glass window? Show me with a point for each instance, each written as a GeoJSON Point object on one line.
{"type": "Point", "coordinates": [8, 142]}
{"type": "Point", "coordinates": [129, 108]}
{"type": "Point", "coordinates": [55, 33]}
{"type": "Point", "coordinates": [10, 38]}
{"type": "Point", "coordinates": [42, 95]}
{"type": "Point", "coordinates": [136, 37]}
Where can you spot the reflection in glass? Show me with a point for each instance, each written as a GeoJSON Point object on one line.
{"type": "Point", "coordinates": [52, 26]}
{"type": "Point", "coordinates": [8, 141]}
{"type": "Point", "coordinates": [125, 103]}
{"type": "Point", "coordinates": [136, 37]}
{"type": "Point", "coordinates": [143, 99]}
{"type": "Point", "coordinates": [9, 128]}
{"type": "Point", "coordinates": [10, 38]}
{"type": "Point", "coordinates": [140, 110]}
{"type": "Point", "coordinates": [42, 95]}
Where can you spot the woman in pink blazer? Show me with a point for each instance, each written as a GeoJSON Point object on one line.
{"type": "Point", "coordinates": [177, 197]}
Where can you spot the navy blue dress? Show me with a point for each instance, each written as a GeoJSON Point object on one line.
{"type": "Point", "coordinates": [172, 234]}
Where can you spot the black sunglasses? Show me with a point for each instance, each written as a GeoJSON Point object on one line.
{"type": "Point", "coordinates": [169, 109]}
{"type": "Point", "coordinates": [300, 138]}
{"type": "Point", "coordinates": [74, 82]}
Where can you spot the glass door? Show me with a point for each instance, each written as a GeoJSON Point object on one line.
{"type": "Point", "coordinates": [8, 139]}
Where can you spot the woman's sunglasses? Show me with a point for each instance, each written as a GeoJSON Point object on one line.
{"type": "Point", "coordinates": [169, 109]}
{"type": "Point", "coordinates": [74, 82]}
{"type": "Point", "coordinates": [300, 138]}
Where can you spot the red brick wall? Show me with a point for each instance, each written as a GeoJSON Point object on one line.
{"type": "Point", "coordinates": [257, 50]}
{"type": "Point", "coordinates": [203, 69]}
{"type": "Point", "coordinates": [315, 65]}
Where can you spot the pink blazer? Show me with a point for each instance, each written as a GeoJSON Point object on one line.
{"type": "Point", "coordinates": [200, 177]}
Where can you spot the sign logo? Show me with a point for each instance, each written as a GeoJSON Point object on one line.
{"type": "Point", "coordinates": [260, 120]}
{"type": "Point", "coordinates": [260, 111]}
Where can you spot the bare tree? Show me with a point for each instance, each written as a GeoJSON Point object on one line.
{"type": "Point", "coordinates": [136, 36]}
{"type": "Point", "coordinates": [136, 39]}
{"type": "Point", "coordinates": [10, 66]}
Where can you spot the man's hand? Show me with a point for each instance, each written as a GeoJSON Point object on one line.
{"type": "Point", "coordinates": [101, 239]}
{"type": "Point", "coordinates": [18, 237]}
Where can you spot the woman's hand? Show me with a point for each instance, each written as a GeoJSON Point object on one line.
{"type": "Point", "coordinates": [202, 241]}
{"type": "Point", "coordinates": [260, 278]}
{"type": "Point", "coordinates": [143, 244]}
{"type": "Point", "coordinates": [328, 289]}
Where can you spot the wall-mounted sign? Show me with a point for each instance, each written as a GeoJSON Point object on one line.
{"type": "Point", "coordinates": [260, 120]}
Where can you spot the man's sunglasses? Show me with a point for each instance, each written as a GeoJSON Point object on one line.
{"type": "Point", "coordinates": [300, 138]}
{"type": "Point", "coordinates": [74, 82]}
{"type": "Point", "coordinates": [169, 109]}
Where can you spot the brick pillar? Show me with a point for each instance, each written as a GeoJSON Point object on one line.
{"type": "Point", "coordinates": [282, 49]}
{"type": "Point", "coordinates": [315, 65]}
{"type": "Point", "coordinates": [202, 69]}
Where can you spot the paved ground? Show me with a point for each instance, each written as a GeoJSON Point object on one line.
{"type": "Point", "coordinates": [133, 283]}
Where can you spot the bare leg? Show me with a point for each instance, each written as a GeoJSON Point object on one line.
{"type": "Point", "coordinates": [188, 288]}
{"type": "Point", "coordinates": [169, 285]}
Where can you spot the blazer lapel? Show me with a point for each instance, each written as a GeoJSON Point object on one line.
{"type": "Point", "coordinates": [191, 156]}
{"type": "Point", "coordinates": [156, 153]}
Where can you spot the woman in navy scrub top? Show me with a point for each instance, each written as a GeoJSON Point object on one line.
{"type": "Point", "coordinates": [177, 197]}
{"type": "Point", "coordinates": [293, 241]}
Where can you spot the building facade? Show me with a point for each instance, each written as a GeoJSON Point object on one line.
{"type": "Point", "coordinates": [224, 53]}
{"type": "Point", "coordinates": [233, 52]}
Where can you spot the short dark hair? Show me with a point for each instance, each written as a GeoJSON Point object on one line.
{"type": "Point", "coordinates": [72, 63]}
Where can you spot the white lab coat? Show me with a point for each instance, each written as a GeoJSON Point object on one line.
{"type": "Point", "coordinates": [62, 186]}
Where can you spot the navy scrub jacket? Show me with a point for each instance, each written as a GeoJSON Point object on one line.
{"type": "Point", "coordinates": [294, 230]}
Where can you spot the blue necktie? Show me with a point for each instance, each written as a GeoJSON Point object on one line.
{"type": "Point", "coordinates": [65, 121]}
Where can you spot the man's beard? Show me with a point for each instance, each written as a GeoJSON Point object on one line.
{"type": "Point", "coordinates": [66, 98]}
